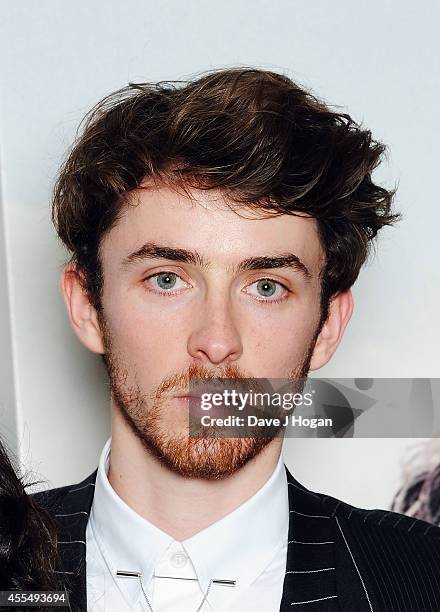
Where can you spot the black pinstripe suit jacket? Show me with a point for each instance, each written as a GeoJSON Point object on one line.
{"type": "Point", "coordinates": [339, 557]}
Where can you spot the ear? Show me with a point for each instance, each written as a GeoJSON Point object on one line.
{"type": "Point", "coordinates": [340, 310]}
{"type": "Point", "coordinates": [82, 315]}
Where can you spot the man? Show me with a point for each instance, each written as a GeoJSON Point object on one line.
{"type": "Point", "coordinates": [216, 228]}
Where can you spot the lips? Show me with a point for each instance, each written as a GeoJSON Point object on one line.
{"type": "Point", "coordinates": [189, 398]}
{"type": "Point", "coordinates": [193, 403]}
{"type": "Point", "coordinates": [190, 401]}
{"type": "Point", "coordinates": [203, 391]}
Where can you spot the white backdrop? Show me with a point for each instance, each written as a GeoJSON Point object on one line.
{"type": "Point", "coordinates": [377, 60]}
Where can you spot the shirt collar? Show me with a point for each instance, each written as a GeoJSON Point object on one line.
{"type": "Point", "coordinates": [241, 544]}
{"type": "Point", "coordinates": [126, 540]}
{"type": "Point", "coordinates": [238, 546]}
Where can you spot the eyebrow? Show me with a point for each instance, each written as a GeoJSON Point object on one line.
{"type": "Point", "coordinates": [151, 250]}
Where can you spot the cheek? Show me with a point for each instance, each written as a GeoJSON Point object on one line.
{"type": "Point", "coordinates": [143, 336]}
{"type": "Point", "coordinates": [280, 348]}
{"type": "Point", "coordinates": [279, 343]}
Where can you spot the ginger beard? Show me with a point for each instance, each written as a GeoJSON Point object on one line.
{"type": "Point", "coordinates": [148, 416]}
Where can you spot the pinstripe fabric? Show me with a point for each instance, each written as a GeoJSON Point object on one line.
{"type": "Point", "coordinates": [339, 558]}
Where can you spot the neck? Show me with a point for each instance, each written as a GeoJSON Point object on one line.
{"type": "Point", "coordinates": [178, 505]}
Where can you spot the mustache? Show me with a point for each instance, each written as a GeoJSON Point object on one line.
{"type": "Point", "coordinates": [182, 381]}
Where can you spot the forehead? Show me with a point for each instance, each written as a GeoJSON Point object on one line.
{"type": "Point", "coordinates": [203, 221]}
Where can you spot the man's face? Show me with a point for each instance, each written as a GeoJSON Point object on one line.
{"type": "Point", "coordinates": [222, 313]}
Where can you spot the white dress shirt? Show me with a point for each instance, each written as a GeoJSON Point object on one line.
{"type": "Point", "coordinates": [248, 545]}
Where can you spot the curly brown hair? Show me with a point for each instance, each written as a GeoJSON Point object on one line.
{"type": "Point", "coordinates": [263, 140]}
{"type": "Point", "coordinates": [28, 538]}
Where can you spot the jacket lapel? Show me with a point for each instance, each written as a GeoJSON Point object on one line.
{"type": "Point", "coordinates": [310, 580]}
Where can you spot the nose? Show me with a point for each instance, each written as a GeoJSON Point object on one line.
{"type": "Point", "coordinates": [215, 338]}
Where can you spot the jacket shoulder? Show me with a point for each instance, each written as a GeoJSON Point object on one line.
{"type": "Point", "coordinates": [383, 521]}
{"type": "Point", "coordinates": [57, 498]}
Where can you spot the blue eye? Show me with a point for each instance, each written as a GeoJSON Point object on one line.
{"type": "Point", "coordinates": [268, 291]}
{"type": "Point", "coordinates": [269, 288]}
{"type": "Point", "coordinates": [165, 281]}
{"type": "Point", "coordinates": [266, 288]}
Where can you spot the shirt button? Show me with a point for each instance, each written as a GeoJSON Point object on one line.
{"type": "Point", "coordinates": [179, 559]}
